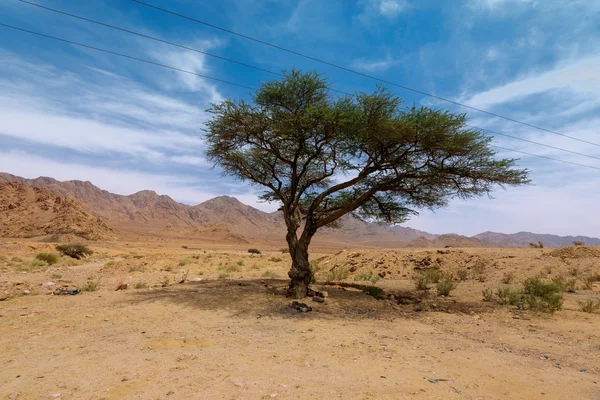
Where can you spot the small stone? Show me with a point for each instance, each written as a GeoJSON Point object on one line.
{"type": "Point", "coordinates": [47, 284]}
{"type": "Point", "coordinates": [170, 393]}
{"type": "Point", "coordinates": [55, 395]}
{"type": "Point", "coordinates": [26, 291]}
{"type": "Point", "coordinates": [318, 299]}
{"type": "Point", "coordinates": [196, 279]}
{"type": "Point", "coordinates": [310, 329]}
{"type": "Point", "coordinates": [121, 286]}
{"type": "Point", "coordinates": [583, 370]}
{"type": "Point", "coordinates": [433, 380]}
{"type": "Point", "coordinates": [544, 357]}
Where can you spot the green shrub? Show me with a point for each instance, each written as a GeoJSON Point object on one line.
{"type": "Point", "coordinates": [445, 286]}
{"type": "Point", "coordinates": [590, 306]}
{"type": "Point", "coordinates": [508, 296]}
{"type": "Point", "coordinates": [76, 250]}
{"type": "Point", "coordinates": [367, 276]}
{"type": "Point", "coordinates": [488, 294]}
{"type": "Point", "coordinates": [38, 263]}
{"type": "Point", "coordinates": [140, 285]}
{"type": "Point", "coordinates": [337, 274]}
{"type": "Point", "coordinates": [422, 282]}
{"type": "Point", "coordinates": [254, 251]}
{"type": "Point", "coordinates": [315, 267]}
{"type": "Point", "coordinates": [50, 258]}
{"type": "Point", "coordinates": [434, 275]}
{"type": "Point", "coordinates": [541, 296]}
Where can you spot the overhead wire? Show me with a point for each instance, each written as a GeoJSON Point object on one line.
{"type": "Point", "coordinates": [216, 79]}
{"type": "Point", "coordinates": [321, 61]}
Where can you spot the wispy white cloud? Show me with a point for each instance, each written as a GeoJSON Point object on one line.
{"type": "Point", "coordinates": [391, 8]}
{"type": "Point", "coordinates": [373, 10]}
{"type": "Point", "coordinates": [375, 65]}
{"type": "Point", "coordinates": [578, 76]}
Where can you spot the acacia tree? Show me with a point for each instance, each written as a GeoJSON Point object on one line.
{"type": "Point", "coordinates": [322, 157]}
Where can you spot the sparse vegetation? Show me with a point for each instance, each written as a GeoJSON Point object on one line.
{"type": "Point", "coordinates": [462, 274]}
{"type": "Point", "coordinates": [284, 250]}
{"type": "Point", "coordinates": [578, 243]}
{"type": "Point", "coordinates": [508, 296]}
{"type": "Point", "coordinates": [434, 275]}
{"type": "Point", "coordinates": [574, 271]}
{"type": "Point", "coordinates": [240, 262]}
{"type": "Point", "coordinates": [140, 285]}
{"type": "Point", "coordinates": [538, 245]}
{"type": "Point", "coordinates": [589, 305]}
{"type": "Point", "coordinates": [337, 274]}
{"type": "Point", "coordinates": [367, 276]}
{"type": "Point", "coordinates": [91, 285]}
{"type": "Point", "coordinates": [275, 259]}
{"type": "Point", "coordinates": [588, 281]}
{"type": "Point", "coordinates": [445, 286]}
{"type": "Point", "coordinates": [223, 275]}
{"type": "Point", "coordinates": [75, 250]}
{"type": "Point", "coordinates": [49, 258]}
{"type": "Point", "coordinates": [185, 261]}
{"type": "Point", "coordinates": [541, 296]}
{"type": "Point", "coordinates": [229, 268]}
{"type": "Point", "coordinates": [254, 251]}
{"type": "Point", "coordinates": [184, 276]}
{"type": "Point", "coordinates": [508, 277]}
{"type": "Point", "coordinates": [375, 291]}
{"type": "Point", "coordinates": [270, 274]}
{"type": "Point", "coordinates": [488, 295]}
{"type": "Point", "coordinates": [565, 285]}
{"type": "Point", "coordinates": [109, 264]}
{"type": "Point", "coordinates": [314, 267]}
{"type": "Point", "coordinates": [422, 282]}
{"type": "Point", "coordinates": [166, 281]}
{"type": "Point", "coordinates": [56, 276]}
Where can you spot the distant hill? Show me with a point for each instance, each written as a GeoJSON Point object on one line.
{"type": "Point", "coordinates": [27, 212]}
{"type": "Point", "coordinates": [148, 213]}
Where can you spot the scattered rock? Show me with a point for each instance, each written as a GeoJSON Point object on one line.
{"type": "Point", "coordinates": [197, 279]}
{"type": "Point", "coordinates": [318, 299]}
{"type": "Point", "coordinates": [583, 370]}
{"type": "Point", "coordinates": [47, 284]}
{"type": "Point", "coordinates": [300, 307]}
{"type": "Point", "coordinates": [61, 291]}
{"type": "Point", "coordinates": [544, 357]}
{"type": "Point", "coordinates": [121, 286]}
{"type": "Point", "coordinates": [26, 291]}
{"type": "Point", "coordinates": [313, 291]}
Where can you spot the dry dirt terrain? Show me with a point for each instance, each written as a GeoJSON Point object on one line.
{"type": "Point", "coordinates": [214, 323]}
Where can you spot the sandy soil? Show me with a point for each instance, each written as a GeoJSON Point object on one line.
{"type": "Point", "coordinates": [227, 332]}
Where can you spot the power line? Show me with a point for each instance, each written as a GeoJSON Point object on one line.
{"type": "Point", "coordinates": [358, 72]}
{"type": "Point", "coordinates": [255, 67]}
{"type": "Point", "coordinates": [126, 56]}
{"type": "Point", "coordinates": [222, 80]}
{"type": "Point", "coordinates": [163, 41]}
{"type": "Point", "coordinates": [151, 38]}
{"type": "Point", "coordinates": [547, 158]}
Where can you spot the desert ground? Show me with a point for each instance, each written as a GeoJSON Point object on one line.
{"type": "Point", "coordinates": [210, 322]}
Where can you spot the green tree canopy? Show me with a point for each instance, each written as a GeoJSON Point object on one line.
{"type": "Point", "coordinates": [322, 157]}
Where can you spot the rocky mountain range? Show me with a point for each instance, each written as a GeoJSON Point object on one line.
{"type": "Point", "coordinates": [226, 219]}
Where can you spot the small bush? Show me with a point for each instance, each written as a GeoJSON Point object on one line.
{"type": "Point", "coordinates": [462, 274]}
{"type": "Point", "coordinates": [77, 251]}
{"type": "Point", "coordinates": [270, 274]}
{"type": "Point", "coordinates": [254, 251]}
{"type": "Point", "coordinates": [109, 264]}
{"type": "Point", "coordinates": [185, 261]}
{"type": "Point", "coordinates": [56, 276]}
{"type": "Point", "coordinates": [337, 274]}
{"type": "Point", "coordinates": [165, 282]}
{"type": "Point", "coordinates": [578, 243]}
{"type": "Point", "coordinates": [508, 296]}
{"type": "Point", "coordinates": [565, 285]}
{"type": "Point", "coordinates": [91, 285]}
{"type": "Point", "coordinates": [184, 247]}
{"type": "Point", "coordinates": [223, 275]}
{"type": "Point", "coordinates": [488, 294]}
{"type": "Point", "coordinates": [38, 263]}
{"type": "Point", "coordinates": [574, 271]}
{"type": "Point", "coordinates": [240, 262]}
{"type": "Point", "coordinates": [315, 267]}
{"type": "Point", "coordinates": [538, 245]}
{"type": "Point", "coordinates": [140, 285]}
{"type": "Point", "coordinates": [508, 277]}
{"type": "Point", "coordinates": [589, 280]}
{"type": "Point", "coordinates": [434, 275]}
{"type": "Point", "coordinates": [50, 258]}
{"type": "Point", "coordinates": [422, 282]}
{"type": "Point", "coordinates": [445, 286]}
{"type": "Point", "coordinates": [284, 250]}
{"type": "Point", "coordinates": [275, 259]}
{"type": "Point", "coordinates": [589, 306]}
{"type": "Point", "coordinates": [541, 296]}
{"type": "Point", "coordinates": [229, 268]}
{"type": "Point", "coordinates": [16, 259]}
{"type": "Point", "coordinates": [367, 276]}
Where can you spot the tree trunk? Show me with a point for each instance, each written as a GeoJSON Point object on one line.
{"type": "Point", "coordinates": [300, 273]}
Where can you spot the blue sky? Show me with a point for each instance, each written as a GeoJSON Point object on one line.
{"type": "Point", "coordinates": [74, 113]}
